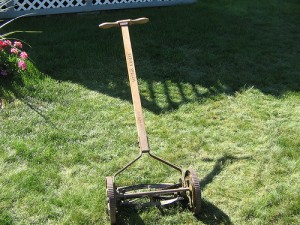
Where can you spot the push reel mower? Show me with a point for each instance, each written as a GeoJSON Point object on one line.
{"type": "Point", "coordinates": [188, 187]}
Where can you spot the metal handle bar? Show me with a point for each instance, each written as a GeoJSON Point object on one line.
{"type": "Point", "coordinates": [123, 23]}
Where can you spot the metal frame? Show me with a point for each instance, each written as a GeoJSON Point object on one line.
{"type": "Point", "coordinates": [152, 156]}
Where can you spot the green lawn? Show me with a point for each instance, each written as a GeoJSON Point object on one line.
{"type": "Point", "coordinates": [220, 87]}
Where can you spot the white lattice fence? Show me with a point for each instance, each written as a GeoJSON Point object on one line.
{"type": "Point", "coordinates": [103, 2]}
{"type": "Point", "coordinates": [21, 5]}
{"type": "Point", "coordinates": [43, 7]}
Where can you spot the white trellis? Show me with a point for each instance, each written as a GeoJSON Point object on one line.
{"type": "Point", "coordinates": [22, 5]}
{"type": "Point", "coordinates": [44, 7]}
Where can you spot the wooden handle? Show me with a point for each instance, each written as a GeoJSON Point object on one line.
{"type": "Point", "coordinates": [126, 22]}
{"type": "Point", "coordinates": [136, 99]}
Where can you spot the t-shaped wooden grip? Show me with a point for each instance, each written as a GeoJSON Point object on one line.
{"type": "Point", "coordinates": [123, 23]}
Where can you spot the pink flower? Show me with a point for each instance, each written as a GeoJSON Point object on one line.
{"type": "Point", "coordinates": [7, 42]}
{"type": "Point", "coordinates": [22, 65]}
{"type": "Point", "coordinates": [18, 44]}
{"type": "Point", "coordinates": [2, 44]}
{"type": "Point", "coordinates": [23, 55]}
{"type": "Point", "coordinates": [14, 51]}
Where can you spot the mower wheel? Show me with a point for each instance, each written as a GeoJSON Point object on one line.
{"type": "Point", "coordinates": [111, 200]}
{"type": "Point", "coordinates": [194, 194]}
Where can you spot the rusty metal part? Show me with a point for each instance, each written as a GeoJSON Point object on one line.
{"type": "Point", "coordinates": [192, 182]}
{"type": "Point", "coordinates": [129, 164]}
{"type": "Point", "coordinates": [160, 201]}
{"type": "Point", "coordinates": [166, 162]}
{"type": "Point", "coordinates": [151, 155]}
{"type": "Point", "coordinates": [111, 200]}
{"type": "Point", "coordinates": [162, 186]}
{"type": "Point", "coordinates": [153, 193]}
{"type": "Point", "coordinates": [159, 194]}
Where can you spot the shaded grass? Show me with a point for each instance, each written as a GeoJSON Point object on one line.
{"type": "Point", "coordinates": [220, 85]}
{"type": "Point", "coordinates": [221, 47]}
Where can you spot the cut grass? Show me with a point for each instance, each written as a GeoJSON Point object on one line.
{"type": "Point", "coordinates": [220, 85]}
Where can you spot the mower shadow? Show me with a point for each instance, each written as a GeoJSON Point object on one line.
{"type": "Point", "coordinates": [218, 167]}
{"type": "Point", "coordinates": [129, 216]}
{"type": "Point", "coordinates": [212, 215]}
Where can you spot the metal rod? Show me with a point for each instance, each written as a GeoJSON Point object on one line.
{"type": "Point", "coordinates": [129, 164]}
{"type": "Point", "coordinates": [166, 162]}
{"type": "Point", "coordinates": [148, 186]}
{"type": "Point", "coordinates": [151, 193]}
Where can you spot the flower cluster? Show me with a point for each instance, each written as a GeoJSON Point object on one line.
{"type": "Point", "coordinates": [12, 58]}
